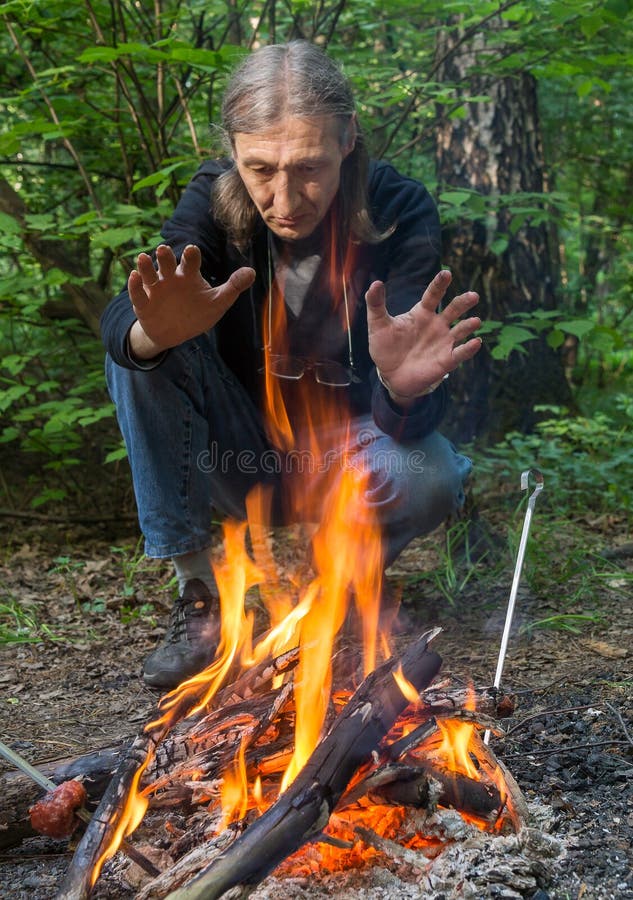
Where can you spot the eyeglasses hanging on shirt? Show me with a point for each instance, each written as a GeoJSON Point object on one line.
{"type": "Point", "coordinates": [327, 372]}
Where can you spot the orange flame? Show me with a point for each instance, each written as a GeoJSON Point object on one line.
{"type": "Point", "coordinates": [258, 795]}
{"type": "Point", "coordinates": [457, 737]}
{"type": "Point", "coordinates": [274, 329]}
{"type": "Point", "coordinates": [135, 808]}
{"type": "Point", "coordinates": [455, 746]}
{"type": "Point", "coordinates": [234, 577]}
{"type": "Point", "coordinates": [234, 791]}
{"type": "Point", "coordinates": [405, 686]}
{"type": "Point", "coordinates": [346, 556]}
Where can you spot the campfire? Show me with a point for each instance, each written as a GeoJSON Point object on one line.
{"type": "Point", "coordinates": [386, 763]}
{"type": "Point", "coordinates": [312, 740]}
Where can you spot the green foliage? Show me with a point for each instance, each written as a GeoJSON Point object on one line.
{"type": "Point", "coordinates": [97, 135]}
{"type": "Point", "coordinates": [565, 570]}
{"type": "Point", "coordinates": [557, 326]}
{"type": "Point", "coordinates": [572, 622]}
{"type": "Point", "coordinates": [106, 109]}
{"type": "Point", "coordinates": [19, 625]}
{"type": "Point", "coordinates": [131, 560]}
{"type": "Point", "coordinates": [585, 459]}
{"type": "Point", "coordinates": [69, 569]}
{"type": "Point", "coordinates": [50, 411]}
{"type": "Point", "coordinates": [456, 568]}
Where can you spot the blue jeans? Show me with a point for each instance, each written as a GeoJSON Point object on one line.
{"type": "Point", "coordinates": [196, 442]}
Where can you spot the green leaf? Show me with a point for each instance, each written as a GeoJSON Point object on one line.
{"type": "Point", "coordinates": [116, 237]}
{"type": "Point", "coordinates": [9, 434]}
{"type": "Point", "coordinates": [578, 327]}
{"type": "Point", "coordinates": [459, 112]}
{"type": "Point", "coordinates": [9, 396]}
{"type": "Point", "coordinates": [160, 176]}
{"type": "Point", "coordinates": [116, 455]}
{"type": "Point", "coordinates": [110, 54]}
{"type": "Point", "coordinates": [488, 326]}
{"type": "Point", "coordinates": [209, 60]}
{"type": "Point", "coordinates": [499, 246]}
{"type": "Point", "coordinates": [555, 339]}
{"type": "Point", "coordinates": [14, 363]}
{"type": "Point", "coordinates": [511, 337]}
{"type": "Point", "coordinates": [514, 334]}
{"type": "Point", "coordinates": [620, 8]}
{"type": "Point", "coordinates": [9, 225]}
{"type": "Point", "coordinates": [455, 198]}
{"type": "Point", "coordinates": [48, 495]}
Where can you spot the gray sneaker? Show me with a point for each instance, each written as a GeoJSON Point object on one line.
{"type": "Point", "coordinates": [191, 639]}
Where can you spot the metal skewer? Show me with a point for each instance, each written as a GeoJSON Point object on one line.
{"type": "Point", "coordinates": [24, 766]}
{"type": "Point", "coordinates": [40, 779]}
{"type": "Point", "coordinates": [540, 483]}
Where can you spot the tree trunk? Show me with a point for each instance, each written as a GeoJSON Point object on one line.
{"type": "Point", "coordinates": [495, 149]}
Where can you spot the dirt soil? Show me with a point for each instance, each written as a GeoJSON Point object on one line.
{"type": "Point", "coordinates": [89, 608]}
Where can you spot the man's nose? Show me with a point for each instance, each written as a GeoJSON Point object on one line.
{"type": "Point", "coordinates": [287, 195]}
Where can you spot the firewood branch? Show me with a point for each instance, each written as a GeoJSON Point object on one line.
{"type": "Point", "coordinates": [305, 807]}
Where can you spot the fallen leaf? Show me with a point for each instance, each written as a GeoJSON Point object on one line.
{"type": "Point", "coordinates": [606, 650]}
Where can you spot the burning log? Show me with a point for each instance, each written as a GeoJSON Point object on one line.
{"type": "Point", "coordinates": [424, 787]}
{"type": "Point", "coordinates": [260, 725]}
{"type": "Point", "coordinates": [489, 701]}
{"type": "Point", "coordinates": [304, 809]}
{"type": "Point", "coordinates": [184, 748]}
{"type": "Point", "coordinates": [515, 801]}
{"type": "Point", "coordinates": [254, 680]}
{"type": "Point", "coordinates": [79, 878]}
{"type": "Point", "coordinates": [105, 824]}
{"type": "Point", "coordinates": [96, 769]}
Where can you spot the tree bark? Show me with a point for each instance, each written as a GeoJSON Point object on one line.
{"type": "Point", "coordinates": [495, 149]}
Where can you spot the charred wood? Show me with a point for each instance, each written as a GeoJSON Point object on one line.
{"type": "Point", "coordinates": [514, 801]}
{"type": "Point", "coordinates": [177, 753]}
{"type": "Point", "coordinates": [425, 787]}
{"type": "Point", "coordinates": [489, 701]}
{"type": "Point", "coordinates": [305, 807]}
{"type": "Point", "coordinates": [145, 749]}
{"type": "Point", "coordinates": [465, 794]}
{"type": "Point", "coordinates": [254, 680]}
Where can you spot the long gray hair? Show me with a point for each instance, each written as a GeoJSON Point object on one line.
{"type": "Point", "coordinates": [295, 79]}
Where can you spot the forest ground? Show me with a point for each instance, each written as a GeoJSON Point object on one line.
{"type": "Point", "coordinates": [89, 607]}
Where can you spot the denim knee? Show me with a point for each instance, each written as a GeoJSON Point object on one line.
{"type": "Point", "coordinates": [413, 488]}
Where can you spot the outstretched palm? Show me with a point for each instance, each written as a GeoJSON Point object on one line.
{"type": "Point", "coordinates": [417, 349]}
{"type": "Point", "coordinates": [174, 302]}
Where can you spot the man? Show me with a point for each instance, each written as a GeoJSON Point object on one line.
{"type": "Point", "coordinates": [349, 248]}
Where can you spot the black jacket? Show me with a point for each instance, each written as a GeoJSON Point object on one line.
{"type": "Point", "coordinates": [406, 261]}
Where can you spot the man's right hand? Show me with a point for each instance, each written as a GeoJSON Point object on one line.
{"type": "Point", "coordinates": [175, 303]}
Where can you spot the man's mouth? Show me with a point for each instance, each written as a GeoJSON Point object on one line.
{"type": "Point", "coordinates": [288, 222]}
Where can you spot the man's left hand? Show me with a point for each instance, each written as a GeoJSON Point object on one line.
{"type": "Point", "coordinates": [415, 350]}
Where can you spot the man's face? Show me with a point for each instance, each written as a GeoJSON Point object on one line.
{"type": "Point", "coordinates": [292, 172]}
